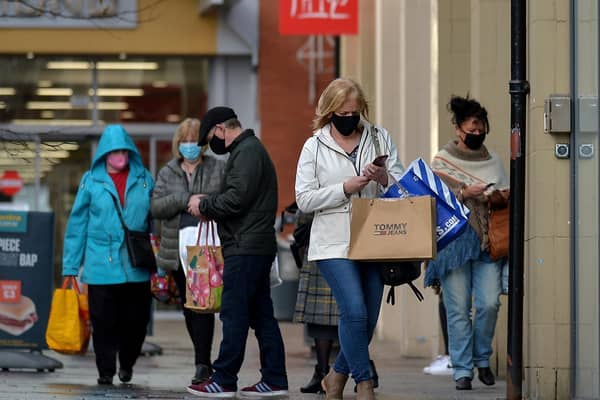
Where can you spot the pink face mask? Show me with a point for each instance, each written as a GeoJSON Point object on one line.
{"type": "Point", "coordinates": [118, 161]}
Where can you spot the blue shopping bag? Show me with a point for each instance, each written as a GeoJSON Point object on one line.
{"type": "Point", "coordinates": [419, 180]}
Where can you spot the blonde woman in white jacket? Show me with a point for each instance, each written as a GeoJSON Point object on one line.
{"type": "Point", "coordinates": [335, 165]}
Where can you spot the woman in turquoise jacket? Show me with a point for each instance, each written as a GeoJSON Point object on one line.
{"type": "Point", "coordinates": [119, 294]}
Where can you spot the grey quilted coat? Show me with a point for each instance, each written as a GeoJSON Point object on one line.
{"type": "Point", "coordinates": [170, 198]}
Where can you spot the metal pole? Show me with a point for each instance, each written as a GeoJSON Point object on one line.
{"type": "Point", "coordinates": [95, 113]}
{"type": "Point", "coordinates": [518, 88]}
{"type": "Point", "coordinates": [336, 58]}
{"type": "Point", "coordinates": [312, 68]}
{"type": "Point", "coordinates": [38, 171]}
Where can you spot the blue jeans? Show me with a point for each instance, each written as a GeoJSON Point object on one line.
{"type": "Point", "coordinates": [246, 303]}
{"type": "Point", "coordinates": [470, 343]}
{"type": "Point", "coordinates": [357, 289]}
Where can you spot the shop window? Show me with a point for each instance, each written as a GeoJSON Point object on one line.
{"type": "Point", "coordinates": [78, 91]}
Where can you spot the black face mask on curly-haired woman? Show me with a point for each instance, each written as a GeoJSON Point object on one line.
{"type": "Point", "coordinates": [474, 141]}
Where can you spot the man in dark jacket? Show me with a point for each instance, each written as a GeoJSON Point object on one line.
{"type": "Point", "coordinates": [245, 213]}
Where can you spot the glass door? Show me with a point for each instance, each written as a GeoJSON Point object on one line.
{"type": "Point", "coordinates": [585, 201]}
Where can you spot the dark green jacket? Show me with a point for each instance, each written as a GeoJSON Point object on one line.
{"type": "Point", "coordinates": [246, 207]}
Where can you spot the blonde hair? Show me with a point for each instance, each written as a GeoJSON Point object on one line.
{"type": "Point", "coordinates": [334, 96]}
{"type": "Point", "coordinates": [187, 126]}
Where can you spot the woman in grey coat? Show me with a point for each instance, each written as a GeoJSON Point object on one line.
{"type": "Point", "coordinates": [179, 186]}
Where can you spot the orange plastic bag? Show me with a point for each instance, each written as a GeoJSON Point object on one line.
{"type": "Point", "coordinates": [68, 330]}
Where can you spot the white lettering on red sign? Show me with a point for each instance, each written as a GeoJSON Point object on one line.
{"type": "Point", "coordinates": [318, 9]}
{"type": "Point", "coordinates": [9, 183]}
{"type": "Point", "coordinates": [9, 291]}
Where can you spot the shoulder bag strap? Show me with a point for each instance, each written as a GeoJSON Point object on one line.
{"type": "Point", "coordinates": [119, 212]}
{"type": "Point", "coordinates": [121, 216]}
{"type": "Point", "coordinates": [375, 138]}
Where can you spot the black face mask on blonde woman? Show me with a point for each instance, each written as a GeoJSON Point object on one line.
{"type": "Point", "coordinates": [345, 125]}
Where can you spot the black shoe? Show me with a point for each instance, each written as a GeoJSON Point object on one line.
{"type": "Point", "coordinates": [374, 376]}
{"type": "Point", "coordinates": [486, 376]}
{"type": "Point", "coordinates": [463, 383]}
{"type": "Point", "coordinates": [203, 373]}
{"type": "Point", "coordinates": [105, 380]}
{"type": "Point", "coordinates": [125, 375]}
{"type": "Point", "coordinates": [314, 386]}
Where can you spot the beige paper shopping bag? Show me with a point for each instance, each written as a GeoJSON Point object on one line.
{"type": "Point", "coordinates": [393, 229]}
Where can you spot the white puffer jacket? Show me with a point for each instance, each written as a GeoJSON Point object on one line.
{"type": "Point", "coordinates": [322, 169]}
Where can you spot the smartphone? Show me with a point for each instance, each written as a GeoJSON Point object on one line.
{"type": "Point", "coordinates": [489, 188]}
{"type": "Point", "coordinates": [380, 160]}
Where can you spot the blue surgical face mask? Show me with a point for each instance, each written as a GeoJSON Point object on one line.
{"type": "Point", "coordinates": [189, 151]}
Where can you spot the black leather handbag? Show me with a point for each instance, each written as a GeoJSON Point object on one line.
{"type": "Point", "coordinates": [399, 273]}
{"type": "Point", "coordinates": [138, 245]}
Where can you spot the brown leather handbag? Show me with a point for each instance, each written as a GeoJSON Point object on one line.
{"type": "Point", "coordinates": [498, 232]}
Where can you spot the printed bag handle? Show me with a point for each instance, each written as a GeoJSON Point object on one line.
{"type": "Point", "coordinates": [200, 225]}
{"type": "Point", "coordinates": [73, 281]}
{"type": "Point", "coordinates": [209, 226]}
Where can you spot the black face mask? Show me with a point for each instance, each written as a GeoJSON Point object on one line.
{"type": "Point", "coordinates": [345, 125]}
{"type": "Point", "coordinates": [217, 145]}
{"type": "Point", "coordinates": [474, 142]}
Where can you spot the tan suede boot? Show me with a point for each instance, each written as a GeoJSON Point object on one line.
{"type": "Point", "coordinates": [364, 390]}
{"type": "Point", "coordinates": [333, 385]}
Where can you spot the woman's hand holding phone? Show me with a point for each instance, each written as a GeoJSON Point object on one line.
{"type": "Point", "coordinates": [474, 190]}
{"type": "Point", "coordinates": [376, 170]}
{"type": "Point", "coordinates": [380, 160]}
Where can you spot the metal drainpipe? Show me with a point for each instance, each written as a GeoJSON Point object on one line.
{"type": "Point", "coordinates": [336, 58]}
{"type": "Point", "coordinates": [518, 89]}
{"type": "Point", "coordinates": [38, 171]}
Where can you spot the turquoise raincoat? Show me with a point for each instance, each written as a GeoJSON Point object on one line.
{"type": "Point", "coordinates": [94, 238]}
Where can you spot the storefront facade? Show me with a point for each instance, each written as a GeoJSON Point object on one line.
{"type": "Point", "coordinates": [66, 71]}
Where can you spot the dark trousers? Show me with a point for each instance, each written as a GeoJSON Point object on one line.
{"type": "Point", "coordinates": [119, 315]}
{"type": "Point", "coordinates": [246, 303]}
{"type": "Point", "coordinates": [200, 327]}
{"type": "Point", "coordinates": [443, 322]}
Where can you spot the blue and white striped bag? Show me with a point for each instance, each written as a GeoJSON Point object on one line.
{"type": "Point", "coordinates": [419, 180]}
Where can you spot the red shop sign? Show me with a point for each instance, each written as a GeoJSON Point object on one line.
{"type": "Point", "coordinates": [318, 17]}
{"type": "Point", "coordinates": [10, 183]}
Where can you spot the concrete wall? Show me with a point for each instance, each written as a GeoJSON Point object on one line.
{"type": "Point", "coordinates": [587, 382]}
{"type": "Point", "coordinates": [488, 83]}
{"type": "Point", "coordinates": [357, 53]}
{"type": "Point", "coordinates": [454, 58]}
{"type": "Point", "coordinates": [547, 265]}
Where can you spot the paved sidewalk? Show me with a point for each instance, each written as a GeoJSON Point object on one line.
{"type": "Point", "coordinates": [166, 376]}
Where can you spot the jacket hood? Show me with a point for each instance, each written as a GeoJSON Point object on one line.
{"type": "Point", "coordinates": [114, 138]}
